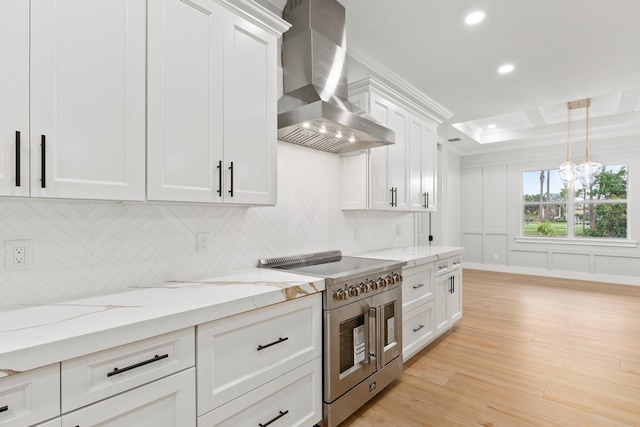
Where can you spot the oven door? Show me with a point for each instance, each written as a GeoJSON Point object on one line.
{"type": "Point", "coordinates": [388, 306]}
{"type": "Point", "coordinates": [347, 359]}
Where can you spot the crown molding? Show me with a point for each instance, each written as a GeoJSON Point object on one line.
{"type": "Point", "coordinates": [399, 86]}
{"type": "Point", "coordinates": [259, 15]}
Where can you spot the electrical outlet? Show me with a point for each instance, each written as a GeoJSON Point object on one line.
{"type": "Point", "coordinates": [18, 255]}
{"type": "Point", "coordinates": [202, 242]}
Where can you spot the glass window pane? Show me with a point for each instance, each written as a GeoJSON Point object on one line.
{"type": "Point", "coordinates": [543, 185]}
{"type": "Point", "coordinates": [545, 220]}
{"type": "Point", "coordinates": [601, 220]}
{"type": "Point", "coordinates": [610, 184]}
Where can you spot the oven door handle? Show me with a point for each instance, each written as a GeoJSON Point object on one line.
{"type": "Point", "coordinates": [373, 333]}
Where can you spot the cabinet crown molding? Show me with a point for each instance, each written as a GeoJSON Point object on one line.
{"type": "Point", "coordinates": [259, 15]}
{"type": "Point", "coordinates": [408, 101]}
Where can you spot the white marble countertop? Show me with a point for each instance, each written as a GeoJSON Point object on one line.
{"type": "Point", "coordinates": [414, 255]}
{"type": "Point", "coordinates": [38, 335]}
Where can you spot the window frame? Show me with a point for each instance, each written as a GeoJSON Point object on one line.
{"type": "Point", "coordinates": [570, 202]}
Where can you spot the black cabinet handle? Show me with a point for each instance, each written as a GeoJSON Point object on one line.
{"type": "Point", "coordinates": [220, 178]}
{"type": "Point", "coordinates": [231, 169]}
{"type": "Point", "coordinates": [43, 163]}
{"type": "Point", "coordinates": [4, 408]}
{"type": "Point", "coordinates": [262, 347]}
{"type": "Point", "coordinates": [276, 418]}
{"type": "Point", "coordinates": [418, 286]}
{"type": "Point", "coordinates": [18, 173]}
{"type": "Point", "coordinates": [427, 200]}
{"type": "Point", "coordinates": [453, 284]}
{"type": "Point", "coordinates": [418, 328]}
{"type": "Point", "coordinates": [391, 196]}
{"type": "Point", "coordinates": [117, 371]}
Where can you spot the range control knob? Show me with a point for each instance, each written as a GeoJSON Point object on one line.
{"type": "Point", "coordinates": [372, 285]}
{"type": "Point", "coordinates": [398, 277]}
{"type": "Point", "coordinates": [354, 291]}
{"type": "Point", "coordinates": [341, 294]}
{"type": "Point", "coordinates": [391, 280]}
{"type": "Point", "coordinates": [364, 288]}
{"type": "Point", "coordinates": [382, 283]}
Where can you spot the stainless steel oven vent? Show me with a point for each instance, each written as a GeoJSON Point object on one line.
{"type": "Point", "coordinates": [315, 83]}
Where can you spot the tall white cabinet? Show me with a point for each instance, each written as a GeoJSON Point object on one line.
{"type": "Point", "coordinates": [212, 103]}
{"type": "Point", "coordinates": [72, 109]}
{"type": "Point", "coordinates": [401, 176]}
{"type": "Point", "coordinates": [87, 99]}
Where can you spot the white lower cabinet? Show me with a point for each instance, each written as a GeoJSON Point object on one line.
{"type": "Point", "coordinates": [167, 402]}
{"type": "Point", "coordinates": [30, 397]}
{"type": "Point", "coordinates": [431, 302]}
{"type": "Point", "coordinates": [418, 329]}
{"type": "Point", "coordinates": [294, 399]}
{"type": "Point", "coordinates": [238, 354]}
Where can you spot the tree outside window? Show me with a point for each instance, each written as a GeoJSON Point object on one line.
{"type": "Point", "coordinates": [599, 211]}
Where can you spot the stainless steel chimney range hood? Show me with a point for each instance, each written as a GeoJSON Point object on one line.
{"type": "Point", "coordinates": [314, 111]}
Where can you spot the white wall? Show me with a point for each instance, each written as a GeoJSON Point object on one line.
{"type": "Point", "coordinates": [491, 216]}
{"type": "Point", "coordinates": [82, 247]}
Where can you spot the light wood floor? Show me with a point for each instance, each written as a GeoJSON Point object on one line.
{"type": "Point", "coordinates": [528, 351]}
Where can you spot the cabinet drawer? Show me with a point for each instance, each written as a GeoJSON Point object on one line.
{"type": "Point", "coordinates": [30, 397]}
{"type": "Point", "coordinates": [294, 399]}
{"type": "Point", "coordinates": [240, 353]}
{"type": "Point", "coordinates": [417, 286]}
{"type": "Point", "coordinates": [418, 329]}
{"type": "Point", "coordinates": [167, 402]}
{"type": "Point", "coordinates": [96, 376]}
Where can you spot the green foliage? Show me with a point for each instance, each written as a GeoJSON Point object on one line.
{"type": "Point", "coordinates": [546, 229]}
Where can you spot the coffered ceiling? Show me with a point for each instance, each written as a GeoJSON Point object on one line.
{"type": "Point", "coordinates": [562, 50]}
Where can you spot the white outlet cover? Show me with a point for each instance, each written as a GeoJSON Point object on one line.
{"type": "Point", "coordinates": [9, 248]}
{"type": "Point", "coordinates": [202, 242]}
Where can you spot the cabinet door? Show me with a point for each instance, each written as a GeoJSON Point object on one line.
{"type": "Point", "coordinates": [422, 165]}
{"type": "Point", "coordinates": [455, 297]}
{"type": "Point", "coordinates": [185, 90]}
{"type": "Point", "coordinates": [14, 98]}
{"type": "Point", "coordinates": [417, 286]}
{"type": "Point", "coordinates": [88, 99]}
{"type": "Point", "coordinates": [250, 112]}
{"type": "Point", "coordinates": [443, 287]}
{"type": "Point", "coordinates": [418, 329]}
{"type": "Point", "coordinates": [387, 164]}
{"type": "Point", "coordinates": [168, 402]}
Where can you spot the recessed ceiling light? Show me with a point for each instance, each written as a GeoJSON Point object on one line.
{"type": "Point", "coordinates": [474, 18]}
{"type": "Point", "coordinates": [491, 127]}
{"type": "Point", "coordinates": [506, 69]}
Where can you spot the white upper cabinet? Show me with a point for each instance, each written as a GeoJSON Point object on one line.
{"type": "Point", "coordinates": [87, 100]}
{"type": "Point", "coordinates": [422, 164]}
{"type": "Point", "coordinates": [401, 176]}
{"type": "Point", "coordinates": [14, 98]}
{"type": "Point", "coordinates": [212, 104]}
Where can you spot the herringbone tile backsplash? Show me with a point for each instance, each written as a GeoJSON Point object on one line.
{"type": "Point", "coordinates": [82, 247]}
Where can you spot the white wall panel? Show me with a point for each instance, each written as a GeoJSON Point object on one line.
{"type": "Point", "coordinates": [472, 199]}
{"type": "Point", "coordinates": [495, 249]}
{"type": "Point", "coordinates": [473, 247]}
{"type": "Point", "coordinates": [495, 197]}
{"type": "Point", "coordinates": [81, 247]}
{"type": "Point", "coordinates": [571, 262]}
{"type": "Point", "coordinates": [528, 259]}
{"type": "Point", "coordinates": [617, 265]}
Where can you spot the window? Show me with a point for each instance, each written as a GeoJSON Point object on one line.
{"type": "Point", "coordinates": [599, 211]}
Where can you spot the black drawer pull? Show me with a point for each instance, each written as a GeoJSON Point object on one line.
{"type": "Point", "coordinates": [418, 286]}
{"type": "Point", "coordinates": [5, 408]}
{"type": "Point", "coordinates": [262, 347]}
{"type": "Point", "coordinates": [117, 371]}
{"type": "Point", "coordinates": [18, 172]}
{"type": "Point", "coordinates": [43, 161]}
{"type": "Point", "coordinates": [220, 178]}
{"type": "Point", "coordinates": [418, 328]}
{"type": "Point", "coordinates": [231, 189]}
{"type": "Point", "coordinates": [277, 417]}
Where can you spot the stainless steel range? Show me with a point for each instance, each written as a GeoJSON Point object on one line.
{"type": "Point", "coordinates": [362, 335]}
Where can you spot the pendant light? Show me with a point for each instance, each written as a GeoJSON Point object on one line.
{"type": "Point", "coordinates": [587, 171]}
{"type": "Point", "coordinates": [567, 169]}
